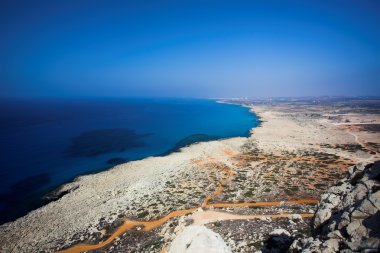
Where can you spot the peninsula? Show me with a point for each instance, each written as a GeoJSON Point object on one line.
{"type": "Point", "coordinates": [230, 195]}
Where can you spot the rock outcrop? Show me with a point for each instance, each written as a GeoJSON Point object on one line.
{"type": "Point", "coordinates": [348, 217]}
{"type": "Point", "coordinates": [198, 239]}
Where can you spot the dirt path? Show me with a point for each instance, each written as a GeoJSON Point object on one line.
{"type": "Point", "coordinates": [127, 225]}
{"type": "Point", "coordinates": [273, 203]}
{"type": "Point", "coordinates": [200, 217]}
{"type": "Point", "coordinates": [363, 144]}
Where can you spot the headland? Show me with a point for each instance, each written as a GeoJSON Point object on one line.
{"type": "Point", "coordinates": [241, 189]}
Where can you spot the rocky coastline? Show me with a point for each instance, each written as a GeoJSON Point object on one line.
{"type": "Point", "coordinates": [249, 194]}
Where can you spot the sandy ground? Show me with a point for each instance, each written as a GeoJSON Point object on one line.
{"type": "Point", "coordinates": [292, 155]}
{"type": "Point", "coordinates": [287, 129]}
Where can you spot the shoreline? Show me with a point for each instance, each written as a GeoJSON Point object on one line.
{"type": "Point", "coordinates": [74, 185]}
{"type": "Point", "coordinates": [145, 190]}
{"type": "Point", "coordinates": [56, 192]}
{"type": "Point", "coordinates": [60, 188]}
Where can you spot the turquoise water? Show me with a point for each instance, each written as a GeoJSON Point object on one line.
{"type": "Point", "coordinates": [45, 143]}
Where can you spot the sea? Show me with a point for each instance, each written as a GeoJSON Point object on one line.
{"type": "Point", "coordinates": [47, 142]}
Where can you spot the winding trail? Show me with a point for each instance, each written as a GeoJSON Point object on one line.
{"type": "Point", "coordinates": [273, 203]}
{"type": "Point", "coordinates": [373, 157]}
{"type": "Point", "coordinates": [370, 159]}
{"type": "Point", "coordinates": [127, 225]}
{"type": "Point", "coordinates": [199, 217]}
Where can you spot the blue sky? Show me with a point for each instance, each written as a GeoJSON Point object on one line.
{"type": "Point", "coordinates": [189, 48]}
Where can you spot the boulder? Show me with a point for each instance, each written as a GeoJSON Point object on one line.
{"type": "Point", "coordinates": [280, 232]}
{"type": "Point", "coordinates": [322, 215]}
{"type": "Point", "coordinates": [279, 241]}
{"type": "Point", "coordinates": [295, 217]}
{"type": "Point", "coordinates": [331, 245]}
{"type": "Point", "coordinates": [198, 239]}
{"type": "Point", "coordinates": [374, 198]}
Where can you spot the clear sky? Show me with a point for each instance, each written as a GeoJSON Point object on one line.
{"type": "Point", "coordinates": [189, 48]}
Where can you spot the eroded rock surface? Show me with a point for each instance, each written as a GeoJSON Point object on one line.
{"type": "Point", "coordinates": [199, 239]}
{"type": "Point", "coordinates": [348, 217]}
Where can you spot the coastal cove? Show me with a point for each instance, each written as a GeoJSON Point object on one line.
{"type": "Point", "coordinates": [50, 143]}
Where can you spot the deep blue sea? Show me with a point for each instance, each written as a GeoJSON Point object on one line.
{"type": "Point", "coordinates": [45, 143]}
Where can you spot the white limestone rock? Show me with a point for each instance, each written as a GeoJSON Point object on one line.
{"type": "Point", "coordinates": [198, 239]}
